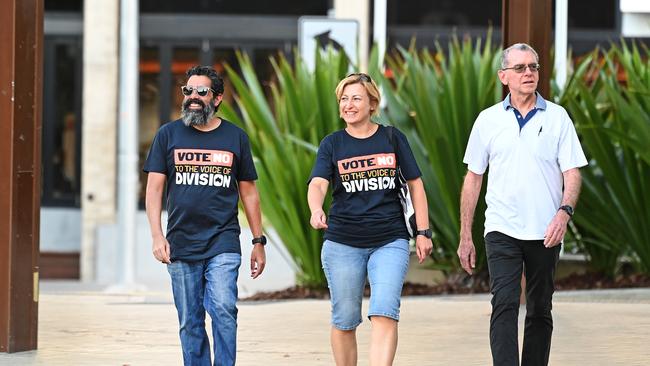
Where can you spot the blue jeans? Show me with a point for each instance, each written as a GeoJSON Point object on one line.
{"type": "Point", "coordinates": [346, 268]}
{"type": "Point", "coordinates": [208, 285]}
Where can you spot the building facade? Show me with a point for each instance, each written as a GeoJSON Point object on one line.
{"type": "Point", "coordinates": [78, 193]}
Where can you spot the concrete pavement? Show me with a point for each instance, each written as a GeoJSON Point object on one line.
{"type": "Point", "coordinates": [81, 326]}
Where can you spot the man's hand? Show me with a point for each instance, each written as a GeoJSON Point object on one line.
{"type": "Point", "coordinates": [468, 198]}
{"type": "Point", "coordinates": [258, 260]}
{"type": "Point", "coordinates": [318, 220]}
{"type": "Point", "coordinates": [467, 254]}
{"type": "Point", "coordinates": [423, 247]}
{"type": "Point", "coordinates": [160, 249]}
{"type": "Point", "coordinates": [556, 229]}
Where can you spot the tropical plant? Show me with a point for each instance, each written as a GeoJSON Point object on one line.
{"type": "Point", "coordinates": [435, 98]}
{"type": "Point", "coordinates": [284, 134]}
{"type": "Point", "coordinates": [613, 120]}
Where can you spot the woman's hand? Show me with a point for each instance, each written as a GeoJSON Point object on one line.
{"type": "Point", "coordinates": [423, 247]}
{"type": "Point", "coordinates": [318, 220]}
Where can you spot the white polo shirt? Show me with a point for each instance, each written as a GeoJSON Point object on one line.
{"type": "Point", "coordinates": [525, 181]}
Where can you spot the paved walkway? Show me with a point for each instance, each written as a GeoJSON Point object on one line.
{"type": "Point", "coordinates": [81, 326]}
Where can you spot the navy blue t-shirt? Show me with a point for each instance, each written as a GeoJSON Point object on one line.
{"type": "Point", "coordinates": [202, 170]}
{"type": "Point", "coordinates": [365, 211]}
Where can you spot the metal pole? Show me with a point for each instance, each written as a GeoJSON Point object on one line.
{"type": "Point", "coordinates": [561, 30]}
{"type": "Point", "coordinates": [561, 34]}
{"type": "Point", "coordinates": [128, 137]}
{"type": "Point", "coordinates": [379, 29]}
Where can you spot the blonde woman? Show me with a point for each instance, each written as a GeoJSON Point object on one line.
{"type": "Point", "coordinates": [365, 234]}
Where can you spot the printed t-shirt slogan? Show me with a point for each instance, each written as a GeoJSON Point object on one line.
{"type": "Point", "coordinates": [368, 173]}
{"type": "Point", "coordinates": [203, 167]}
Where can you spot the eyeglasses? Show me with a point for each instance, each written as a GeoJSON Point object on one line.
{"type": "Point", "coordinates": [202, 91]}
{"type": "Point", "coordinates": [519, 68]}
{"type": "Point", "coordinates": [362, 76]}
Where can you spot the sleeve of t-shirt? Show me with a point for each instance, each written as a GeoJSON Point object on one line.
{"type": "Point", "coordinates": [476, 153]}
{"type": "Point", "coordinates": [570, 154]}
{"type": "Point", "coordinates": [323, 166]}
{"type": "Point", "coordinates": [157, 157]}
{"type": "Point", "coordinates": [247, 170]}
{"type": "Point", "coordinates": [407, 163]}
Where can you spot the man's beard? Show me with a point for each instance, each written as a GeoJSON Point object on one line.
{"type": "Point", "coordinates": [197, 117]}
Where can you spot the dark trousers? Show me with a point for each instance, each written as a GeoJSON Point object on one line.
{"type": "Point", "coordinates": [507, 257]}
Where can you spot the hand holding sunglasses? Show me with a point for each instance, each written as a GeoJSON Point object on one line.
{"type": "Point", "coordinates": [202, 91]}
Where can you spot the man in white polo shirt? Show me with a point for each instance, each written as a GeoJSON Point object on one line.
{"type": "Point", "coordinates": [534, 154]}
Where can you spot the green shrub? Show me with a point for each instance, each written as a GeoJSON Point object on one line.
{"type": "Point", "coordinates": [285, 132]}
{"type": "Point", "coordinates": [435, 98]}
{"type": "Point", "coordinates": [613, 120]}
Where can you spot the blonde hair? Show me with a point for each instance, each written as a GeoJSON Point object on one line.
{"type": "Point", "coordinates": [367, 83]}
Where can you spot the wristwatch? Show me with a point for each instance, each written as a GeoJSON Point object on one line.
{"type": "Point", "coordinates": [427, 233]}
{"type": "Point", "coordinates": [568, 209]}
{"type": "Point", "coordinates": [260, 240]}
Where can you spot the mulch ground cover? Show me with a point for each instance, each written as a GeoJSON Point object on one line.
{"type": "Point", "coordinates": [466, 285]}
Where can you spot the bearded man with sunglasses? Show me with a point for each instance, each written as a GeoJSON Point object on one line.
{"type": "Point", "coordinates": [205, 164]}
{"type": "Point", "coordinates": [534, 156]}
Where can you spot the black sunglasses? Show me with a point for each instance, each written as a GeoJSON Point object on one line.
{"type": "Point", "coordinates": [362, 76]}
{"type": "Point", "coordinates": [519, 68]}
{"type": "Point", "coordinates": [202, 91]}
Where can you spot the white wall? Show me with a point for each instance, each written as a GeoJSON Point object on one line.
{"type": "Point", "coordinates": [358, 10]}
{"type": "Point", "coordinates": [60, 230]}
{"type": "Point", "coordinates": [278, 274]}
{"type": "Point", "coordinates": [99, 142]}
{"type": "Point", "coordinates": [635, 20]}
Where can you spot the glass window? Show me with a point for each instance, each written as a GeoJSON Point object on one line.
{"type": "Point", "coordinates": [149, 107]}
{"type": "Point", "coordinates": [592, 14]}
{"type": "Point", "coordinates": [182, 59]}
{"type": "Point", "coordinates": [61, 124]}
{"type": "Point", "coordinates": [63, 5]}
{"type": "Point", "coordinates": [457, 13]}
{"type": "Point", "coordinates": [221, 57]}
{"type": "Point", "coordinates": [583, 14]}
{"type": "Point", "coordinates": [263, 66]}
{"type": "Point", "coordinates": [258, 7]}
{"type": "Point", "coordinates": [149, 93]}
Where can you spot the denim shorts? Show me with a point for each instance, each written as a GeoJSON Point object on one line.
{"type": "Point", "coordinates": [346, 269]}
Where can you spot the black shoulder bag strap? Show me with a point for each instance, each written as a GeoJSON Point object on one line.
{"type": "Point", "coordinates": [389, 131]}
{"type": "Point", "coordinates": [404, 196]}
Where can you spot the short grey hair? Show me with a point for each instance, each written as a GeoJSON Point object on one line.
{"type": "Point", "coordinates": [520, 47]}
